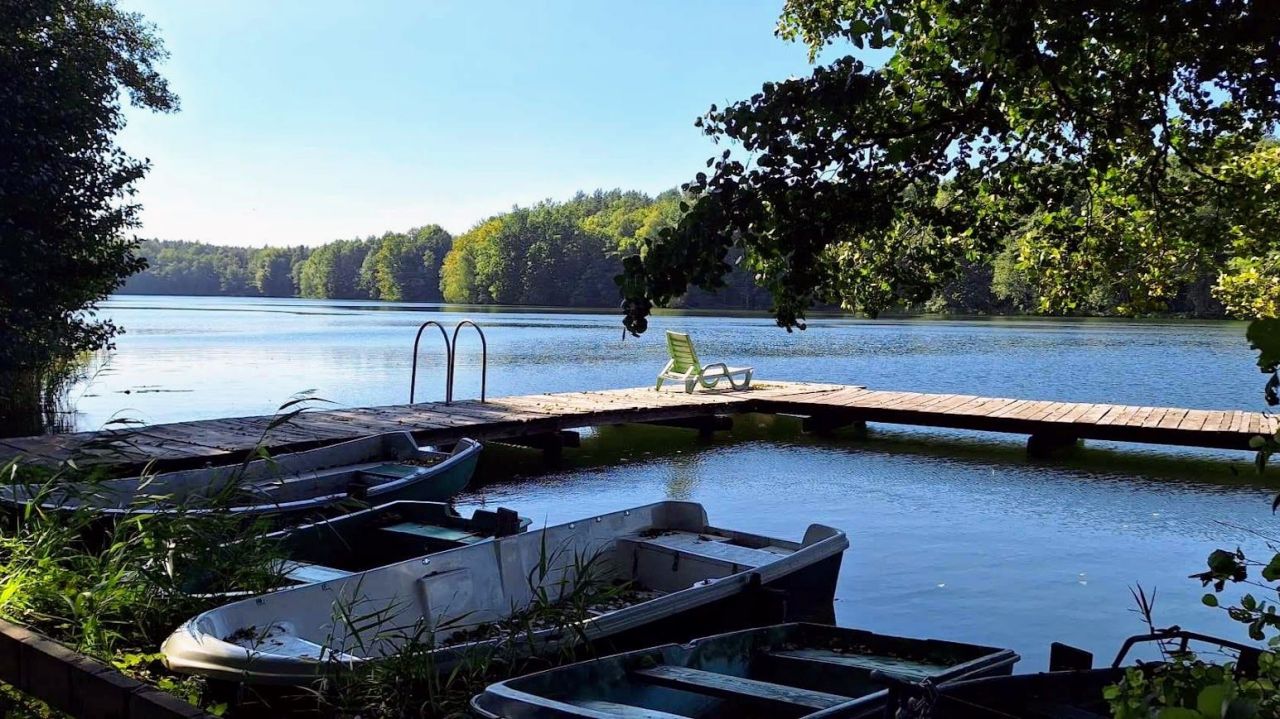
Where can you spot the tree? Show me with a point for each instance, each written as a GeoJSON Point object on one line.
{"type": "Point", "coordinates": [874, 186]}
{"type": "Point", "coordinates": [65, 188]}
{"type": "Point", "coordinates": [406, 267]}
{"type": "Point", "coordinates": [271, 271]}
{"type": "Point", "coordinates": [333, 270]}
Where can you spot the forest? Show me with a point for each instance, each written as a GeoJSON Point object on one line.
{"type": "Point", "coordinates": [563, 254]}
{"type": "Point", "coordinates": [551, 254]}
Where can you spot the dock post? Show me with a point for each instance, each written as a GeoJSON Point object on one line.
{"type": "Point", "coordinates": [825, 424]}
{"type": "Point", "coordinates": [707, 424]}
{"type": "Point", "coordinates": [1046, 445]}
{"type": "Point", "coordinates": [552, 444]}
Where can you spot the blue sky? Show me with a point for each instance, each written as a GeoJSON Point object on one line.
{"type": "Point", "coordinates": [305, 121]}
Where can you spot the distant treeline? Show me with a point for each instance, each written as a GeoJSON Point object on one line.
{"type": "Point", "coordinates": [553, 254]}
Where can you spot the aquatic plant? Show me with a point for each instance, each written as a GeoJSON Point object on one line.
{"type": "Point", "coordinates": [435, 670]}
{"type": "Point", "coordinates": [1185, 686]}
{"type": "Point", "coordinates": [114, 586]}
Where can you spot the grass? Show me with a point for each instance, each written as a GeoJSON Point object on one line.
{"type": "Point", "coordinates": [114, 587]}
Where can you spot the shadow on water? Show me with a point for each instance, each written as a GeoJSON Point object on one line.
{"type": "Point", "coordinates": [622, 445]}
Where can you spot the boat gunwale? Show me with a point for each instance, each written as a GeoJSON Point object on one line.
{"type": "Point", "coordinates": [244, 664]}
{"type": "Point", "coordinates": [973, 670]}
{"type": "Point", "coordinates": [449, 462]}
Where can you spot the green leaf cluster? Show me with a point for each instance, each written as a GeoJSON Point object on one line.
{"type": "Point", "coordinates": [1186, 687]}
{"type": "Point", "coordinates": [66, 187]}
{"type": "Point", "coordinates": [1111, 140]}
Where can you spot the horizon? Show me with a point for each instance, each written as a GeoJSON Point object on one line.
{"type": "Point", "coordinates": [281, 141]}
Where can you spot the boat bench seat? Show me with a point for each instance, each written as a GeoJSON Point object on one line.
{"type": "Point", "coordinates": [432, 531]}
{"type": "Point", "coordinates": [725, 685]}
{"type": "Point", "coordinates": [710, 547]}
{"type": "Point", "coordinates": [623, 711]}
{"type": "Point", "coordinates": [305, 573]}
{"type": "Point", "coordinates": [903, 668]}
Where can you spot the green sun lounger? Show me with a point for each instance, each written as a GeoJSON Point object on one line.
{"type": "Point", "coordinates": [684, 367]}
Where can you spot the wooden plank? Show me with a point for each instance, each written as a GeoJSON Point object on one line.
{"type": "Point", "coordinates": [1171, 418]}
{"type": "Point", "coordinates": [1095, 414]}
{"type": "Point", "coordinates": [994, 406]}
{"type": "Point", "coordinates": [837, 398]}
{"type": "Point", "coordinates": [955, 401]}
{"type": "Point", "coordinates": [1074, 412]}
{"type": "Point", "coordinates": [726, 685]}
{"type": "Point", "coordinates": [1031, 409]}
{"type": "Point", "coordinates": [1152, 418]}
{"type": "Point", "coordinates": [1010, 408]}
{"type": "Point", "coordinates": [965, 407]}
{"type": "Point", "coordinates": [1194, 420]}
{"type": "Point", "coordinates": [1051, 409]}
{"type": "Point", "coordinates": [1142, 415]}
{"type": "Point", "coordinates": [1119, 414]}
{"type": "Point", "coordinates": [1214, 421]}
{"type": "Point", "coordinates": [933, 401]}
{"type": "Point", "coordinates": [515, 416]}
{"type": "Point", "coordinates": [878, 400]}
{"type": "Point", "coordinates": [905, 401]}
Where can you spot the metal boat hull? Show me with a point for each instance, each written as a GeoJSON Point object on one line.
{"type": "Point", "coordinates": [295, 635]}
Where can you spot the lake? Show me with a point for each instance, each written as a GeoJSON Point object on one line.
{"type": "Point", "coordinates": [955, 535]}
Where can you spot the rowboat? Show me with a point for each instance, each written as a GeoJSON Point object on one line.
{"type": "Point", "coordinates": [333, 548]}
{"type": "Point", "coordinates": [788, 670]}
{"type": "Point", "coordinates": [1046, 695]}
{"type": "Point", "coordinates": [631, 573]}
{"type": "Point", "coordinates": [1072, 688]}
{"type": "Point", "coordinates": [370, 470]}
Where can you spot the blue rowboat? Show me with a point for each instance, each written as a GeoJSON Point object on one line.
{"type": "Point", "coordinates": [786, 670]}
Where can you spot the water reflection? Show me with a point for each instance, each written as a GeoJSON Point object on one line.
{"type": "Point", "coordinates": [953, 536]}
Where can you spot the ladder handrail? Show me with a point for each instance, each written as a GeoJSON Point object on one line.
{"type": "Point", "coordinates": [453, 356]}
{"type": "Point", "coordinates": [448, 351]}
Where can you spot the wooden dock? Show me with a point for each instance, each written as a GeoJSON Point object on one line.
{"type": "Point", "coordinates": [543, 420]}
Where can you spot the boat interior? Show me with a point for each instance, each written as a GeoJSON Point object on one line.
{"type": "Point", "coordinates": [634, 556]}
{"type": "Point", "coordinates": [386, 534]}
{"type": "Point", "coordinates": [785, 671]}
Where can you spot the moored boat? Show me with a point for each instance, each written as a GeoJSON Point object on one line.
{"type": "Point", "coordinates": [370, 538]}
{"type": "Point", "coordinates": [1071, 689]}
{"type": "Point", "coordinates": [789, 670]}
{"type": "Point", "coordinates": [624, 573]}
{"type": "Point", "coordinates": [370, 470]}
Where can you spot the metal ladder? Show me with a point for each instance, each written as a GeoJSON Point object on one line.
{"type": "Point", "coordinates": [451, 354]}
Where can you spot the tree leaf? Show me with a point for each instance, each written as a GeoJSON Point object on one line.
{"type": "Point", "coordinates": [1212, 700]}
{"type": "Point", "coordinates": [1264, 336]}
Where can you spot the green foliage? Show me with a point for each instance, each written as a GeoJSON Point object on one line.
{"type": "Point", "coordinates": [406, 267]}
{"type": "Point", "coordinates": [66, 188]}
{"type": "Point", "coordinates": [272, 270]}
{"type": "Point", "coordinates": [333, 270]}
{"type": "Point", "coordinates": [554, 253]}
{"type": "Point", "coordinates": [568, 253]}
{"type": "Point", "coordinates": [193, 268]}
{"type": "Point", "coordinates": [869, 186]}
{"type": "Point", "coordinates": [114, 587]}
{"type": "Point", "coordinates": [102, 586]}
{"type": "Point", "coordinates": [412, 682]}
{"type": "Point", "coordinates": [1185, 687]}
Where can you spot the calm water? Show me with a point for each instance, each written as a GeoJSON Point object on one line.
{"type": "Point", "coordinates": [955, 535]}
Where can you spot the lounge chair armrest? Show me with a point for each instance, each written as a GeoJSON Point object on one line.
{"type": "Point", "coordinates": [724, 371]}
